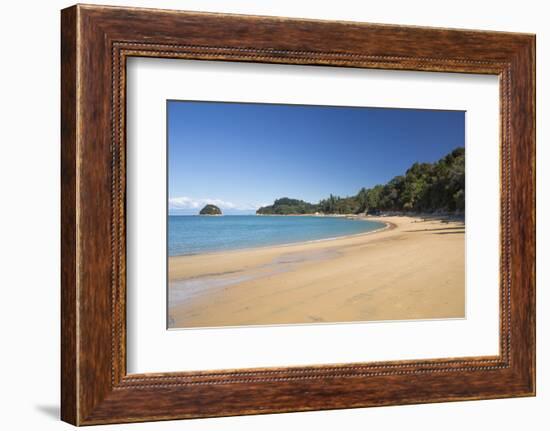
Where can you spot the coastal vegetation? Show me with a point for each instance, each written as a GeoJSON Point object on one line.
{"type": "Point", "coordinates": [284, 206]}
{"type": "Point", "coordinates": [211, 210]}
{"type": "Point", "coordinates": [425, 187]}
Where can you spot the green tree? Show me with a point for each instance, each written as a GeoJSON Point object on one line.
{"type": "Point", "coordinates": [425, 187]}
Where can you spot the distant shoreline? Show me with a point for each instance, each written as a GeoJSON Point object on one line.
{"type": "Point", "coordinates": [250, 232]}
{"type": "Point", "coordinates": [178, 250]}
{"type": "Point", "coordinates": [435, 215]}
{"type": "Point", "coordinates": [387, 226]}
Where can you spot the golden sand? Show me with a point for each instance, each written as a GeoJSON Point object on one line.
{"type": "Point", "coordinates": [414, 269]}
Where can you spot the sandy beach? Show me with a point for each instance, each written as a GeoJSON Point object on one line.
{"type": "Point", "coordinates": [412, 269]}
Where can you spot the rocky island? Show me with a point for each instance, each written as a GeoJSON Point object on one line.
{"type": "Point", "coordinates": [211, 210]}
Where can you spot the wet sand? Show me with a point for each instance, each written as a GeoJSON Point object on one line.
{"type": "Point", "coordinates": [413, 269]}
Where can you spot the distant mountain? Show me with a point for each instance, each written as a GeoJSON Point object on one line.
{"type": "Point", "coordinates": [211, 210]}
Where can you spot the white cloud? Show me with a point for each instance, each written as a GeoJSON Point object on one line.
{"type": "Point", "coordinates": [187, 203]}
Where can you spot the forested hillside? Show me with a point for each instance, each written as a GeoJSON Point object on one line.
{"type": "Point", "coordinates": [425, 187]}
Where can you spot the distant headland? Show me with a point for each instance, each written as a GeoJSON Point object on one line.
{"type": "Point", "coordinates": [437, 187]}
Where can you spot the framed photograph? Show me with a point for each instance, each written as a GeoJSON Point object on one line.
{"type": "Point", "coordinates": [266, 215]}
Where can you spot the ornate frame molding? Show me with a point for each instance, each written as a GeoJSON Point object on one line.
{"type": "Point", "coordinates": [96, 41]}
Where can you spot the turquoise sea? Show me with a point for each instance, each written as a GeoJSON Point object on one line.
{"type": "Point", "coordinates": [202, 234]}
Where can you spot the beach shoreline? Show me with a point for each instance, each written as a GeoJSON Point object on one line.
{"type": "Point", "coordinates": [387, 225]}
{"type": "Point", "coordinates": [413, 268]}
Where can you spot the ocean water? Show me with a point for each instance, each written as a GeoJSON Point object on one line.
{"type": "Point", "coordinates": [196, 234]}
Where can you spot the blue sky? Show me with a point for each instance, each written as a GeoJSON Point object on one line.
{"type": "Point", "coordinates": [240, 156]}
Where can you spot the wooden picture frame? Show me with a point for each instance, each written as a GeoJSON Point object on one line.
{"type": "Point", "coordinates": [95, 43]}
